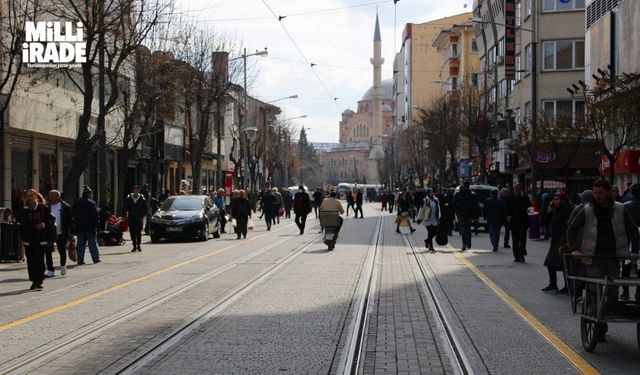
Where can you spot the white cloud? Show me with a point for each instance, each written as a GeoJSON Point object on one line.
{"type": "Point", "coordinates": [343, 38]}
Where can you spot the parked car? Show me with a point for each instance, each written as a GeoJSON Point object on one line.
{"type": "Point", "coordinates": [483, 192]}
{"type": "Point", "coordinates": [186, 216]}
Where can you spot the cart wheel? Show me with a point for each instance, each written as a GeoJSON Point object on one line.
{"type": "Point", "coordinates": [590, 330]}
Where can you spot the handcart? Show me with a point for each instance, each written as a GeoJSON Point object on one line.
{"type": "Point", "coordinates": [588, 299]}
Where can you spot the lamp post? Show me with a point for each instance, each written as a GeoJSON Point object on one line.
{"type": "Point", "coordinates": [534, 86]}
{"type": "Point", "coordinates": [295, 96]}
{"type": "Point", "coordinates": [245, 125]}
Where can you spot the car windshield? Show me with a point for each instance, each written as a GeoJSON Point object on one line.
{"type": "Point", "coordinates": [182, 204]}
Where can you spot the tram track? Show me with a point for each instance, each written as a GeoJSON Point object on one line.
{"type": "Point", "coordinates": [68, 342]}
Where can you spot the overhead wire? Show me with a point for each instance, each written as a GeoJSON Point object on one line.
{"type": "Point", "coordinates": [311, 66]}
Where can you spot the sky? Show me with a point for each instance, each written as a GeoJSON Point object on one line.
{"type": "Point", "coordinates": [336, 35]}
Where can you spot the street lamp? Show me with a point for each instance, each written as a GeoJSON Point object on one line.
{"type": "Point", "coordinates": [288, 97]}
{"type": "Point", "coordinates": [245, 124]}
{"type": "Point", "coordinates": [534, 85]}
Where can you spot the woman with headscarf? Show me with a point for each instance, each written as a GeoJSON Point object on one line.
{"type": "Point", "coordinates": [558, 215]}
{"type": "Point", "coordinates": [430, 214]}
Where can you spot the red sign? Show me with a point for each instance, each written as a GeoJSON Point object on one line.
{"type": "Point", "coordinates": [627, 162]}
{"type": "Point", "coordinates": [510, 39]}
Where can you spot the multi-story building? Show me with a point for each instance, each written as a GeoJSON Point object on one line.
{"type": "Point", "coordinates": [612, 30]}
{"type": "Point", "coordinates": [417, 66]}
{"type": "Point", "coordinates": [549, 53]}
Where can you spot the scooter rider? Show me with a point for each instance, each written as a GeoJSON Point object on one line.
{"type": "Point", "coordinates": [332, 203]}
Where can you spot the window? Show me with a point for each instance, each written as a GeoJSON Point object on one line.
{"type": "Point", "coordinates": [474, 45]}
{"type": "Point", "coordinates": [492, 55]}
{"type": "Point", "coordinates": [518, 68]}
{"type": "Point", "coordinates": [454, 83]}
{"type": "Point", "coordinates": [502, 89]}
{"type": "Point", "coordinates": [512, 85]}
{"type": "Point", "coordinates": [517, 116]}
{"type": "Point", "coordinates": [563, 54]}
{"type": "Point", "coordinates": [518, 13]}
{"type": "Point", "coordinates": [474, 79]}
{"type": "Point", "coordinates": [559, 6]}
{"type": "Point", "coordinates": [527, 8]}
{"type": "Point", "coordinates": [501, 47]}
{"type": "Point", "coordinates": [493, 94]}
{"type": "Point", "coordinates": [527, 59]}
{"type": "Point", "coordinates": [554, 109]}
{"type": "Point", "coordinates": [454, 50]}
{"type": "Point", "coordinates": [527, 113]}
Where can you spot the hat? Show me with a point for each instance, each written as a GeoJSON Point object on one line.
{"type": "Point", "coordinates": [429, 190]}
{"type": "Point", "coordinates": [87, 189]}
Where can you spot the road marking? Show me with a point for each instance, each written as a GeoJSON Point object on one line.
{"type": "Point", "coordinates": [571, 355]}
{"type": "Point", "coordinates": [103, 292]}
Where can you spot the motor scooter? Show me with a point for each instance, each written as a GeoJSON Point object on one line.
{"type": "Point", "coordinates": [330, 222]}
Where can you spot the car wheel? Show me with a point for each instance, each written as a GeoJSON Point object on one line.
{"type": "Point", "coordinates": [216, 233]}
{"type": "Point", "coordinates": [205, 235]}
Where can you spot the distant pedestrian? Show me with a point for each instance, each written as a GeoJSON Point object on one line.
{"type": "Point", "coordinates": [391, 201]}
{"type": "Point", "coordinates": [467, 210]}
{"type": "Point", "coordinates": [403, 207]}
{"type": "Point", "coordinates": [430, 214]}
{"type": "Point", "coordinates": [317, 200]}
{"type": "Point", "coordinates": [241, 212]}
{"type": "Point", "coordinates": [383, 200]}
{"type": "Point", "coordinates": [218, 200]}
{"type": "Point", "coordinates": [36, 222]}
{"type": "Point", "coordinates": [269, 205]}
{"type": "Point", "coordinates": [287, 201]}
{"type": "Point", "coordinates": [85, 220]}
{"type": "Point", "coordinates": [277, 205]}
{"type": "Point", "coordinates": [518, 217]}
{"type": "Point", "coordinates": [301, 207]}
{"type": "Point", "coordinates": [558, 213]}
{"type": "Point", "coordinates": [359, 197]}
{"type": "Point", "coordinates": [504, 196]}
{"type": "Point", "coordinates": [351, 202]}
{"type": "Point", "coordinates": [135, 208]}
{"type": "Point", "coordinates": [64, 231]}
{"type": "Point", "coordinates": [494, 213]}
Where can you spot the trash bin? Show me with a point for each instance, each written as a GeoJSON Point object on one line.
{"type": "Point", "coordinates": [534, 226]}
{"type": "Point", "coordinates": [11, 249]}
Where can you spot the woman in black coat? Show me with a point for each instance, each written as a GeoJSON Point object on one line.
{"type": "Point", "coordinates": [241, 212]}
{"type": "Point", "coordinates": [558, 215]}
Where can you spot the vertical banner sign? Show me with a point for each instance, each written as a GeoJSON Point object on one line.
{"type": "Point", "coordinates": [510, 39]}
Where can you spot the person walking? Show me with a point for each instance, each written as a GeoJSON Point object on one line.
{"type": "Point", "coordinates": [36, 222]}
{"type": "Point", "coordinates": [403, 207]}
{"type": "Point", "coordinates": [603, 228]}
{"type": "Point", "coordinates": [350, 202]}
{"type": "Point", "coordinates": [466, 207]}
{"type": "Point", "coordinates": [494, 213]}
{"type": "Point", "coordinates": [558, 213]}
{"type": "Point", "coordinates": [383, 200]}
{"type": "Point", "coordinates": [518, 217]}
{"type": "Point", "coordinates": [430, 214]}
{"type": "Point", "coordinates": [504, 196]}
{"type": "Point", "coordinates": [241, 212]}
{"type": "Point", "coordinates": [391, 200]}
{"type": "Point", "coordinates": [85, 220]}
{"type": "Point", "coordinates": [268, 208]}
{"type": "Point", "coordinates": [64, 224]}
{"type": "Point", "coordinates": [632, 205]}
{"type": "Point", "coordinates": [301, 207]}
{"type": "Point", "coordinates": [359, 198]}
{"type": "Point", "coordinates": [317, 200]}
{"type": "Point", "coordinates": [276, 207]}
{"type": "Point", "coordinates": [135, 208]}
{"type": "Point", "coordinates": [287, 200]}
{"type": "Point", "coordinates": [218, 200]}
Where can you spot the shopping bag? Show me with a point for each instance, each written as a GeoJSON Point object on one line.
{"type": "Point", "coordinates": [233, 223]}
{"type": "Point", "coordinates": [250, 225]}
{"type": "Point", "coordinates": [281, 211]}
{"type": "Point", "coordinates": [71, 249]}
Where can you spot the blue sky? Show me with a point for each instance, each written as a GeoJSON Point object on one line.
{"type": "Point", "coordinates": [338, 41]}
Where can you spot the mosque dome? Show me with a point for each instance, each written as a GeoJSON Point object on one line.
{"type": "Point", "coordinates": [387, 91]}
{"type": "Point", "coordinates": [348, 112]}
{"type": "Point", "coordinates": [387, 108]}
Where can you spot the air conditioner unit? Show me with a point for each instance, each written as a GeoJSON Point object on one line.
{"type": "Point", "coordinates": [499, 60]}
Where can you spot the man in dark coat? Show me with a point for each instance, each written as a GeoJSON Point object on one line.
{"type": "Point", "coordinates": [268, 205]}
{"type": "Point", "coordinates": [36, 222]}
{"type": "Point", "coordinates": [467, 210]}
{"type": "Point", "coordinates": [241, 212]}
{"type": "Point", "coordinates": [359, 197]}
{"type": "Point", "coordinates": [518, 217]}
{"type": "Point", "coordinates": [287, 201]}
{"type": "Point", "coordinates": [135, 207]}
{"type": "Point", "coordinates": [301, 207]}
{"type": "Point", "coordinates": [494, 212]}
{"type": "Point", "coordinates": [504, 196]}
{"type": "Point", "coordinates": [317, 200]}
{"type": "Point", "coordinates": [64, 223]}
{"type": "Point", "coordinates": [85, 220]}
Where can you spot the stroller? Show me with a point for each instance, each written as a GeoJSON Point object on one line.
{"type": "Point", "coordinates": [111, 230]}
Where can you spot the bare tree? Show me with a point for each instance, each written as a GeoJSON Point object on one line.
{"type": "Point", "coordinates": [13, 16]}
{"type": "Point", "coordinates": [474, 122]}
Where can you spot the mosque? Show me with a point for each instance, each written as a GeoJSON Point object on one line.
{"type": "Point", "coordinates": [365, 133]}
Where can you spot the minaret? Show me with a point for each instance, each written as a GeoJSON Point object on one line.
{"type": "Point", "coordinates": [377, 62]}
{"type": "Point", "coordinates": [377, 152]}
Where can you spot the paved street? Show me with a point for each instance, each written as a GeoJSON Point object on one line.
{"type": "Point", "coordinates": [278, 302]}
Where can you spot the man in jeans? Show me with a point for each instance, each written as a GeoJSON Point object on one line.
{"type": "Point", "coordinates": [85, 220]}
{"type": "Point", "coordinates": [64, 221]}
{"type": "Point", "coordinates": [494, 213]}
{"type": "Point", "coordinates": [603, 228]}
